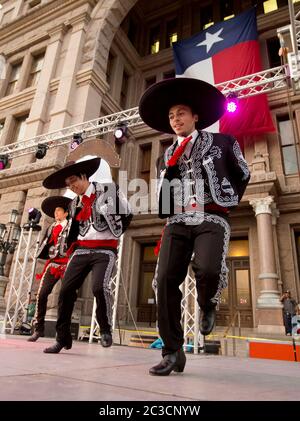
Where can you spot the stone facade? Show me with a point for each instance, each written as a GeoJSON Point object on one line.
{"type": "Point", "coordinates": [89, 69]}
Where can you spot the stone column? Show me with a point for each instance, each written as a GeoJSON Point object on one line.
{"type": "Point", "coordinates": [61, 115]}
{"type": "Point", "coordinates": [268, 303]}
{"type": "Point", "coordinates": [36, 119]}
{"type": "Point", "coordinates": [24, 73]}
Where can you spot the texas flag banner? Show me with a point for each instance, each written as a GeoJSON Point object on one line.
{"type": "Point", "coordinates": [226, 51]}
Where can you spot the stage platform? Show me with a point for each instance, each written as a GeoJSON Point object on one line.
{"type": "Point", "coordinates": [89, 372]}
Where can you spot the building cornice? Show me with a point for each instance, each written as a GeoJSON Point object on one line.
{"type": "Point", "coordinates": [16, 100]}
{"type": "Point", "coordinates": [153, 61]}
{"type": "Point", "coordinates": [90, 77]}
{"type": "Point", "coordinates": [19, 177]}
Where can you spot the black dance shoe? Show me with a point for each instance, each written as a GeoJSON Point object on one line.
{"type": "Point", "coordinates": [35, 336]}
{"type": "Point", "coordinates": [58, 346]}
{"type": "Point", "coordinates": [106, 340]}
{"type": "Point", "coordinates": [207, 320]}
{"type": "Point", "coordinates": [170, 362]}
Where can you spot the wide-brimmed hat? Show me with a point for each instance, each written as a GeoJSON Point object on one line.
{"type": "Point", "coordinates": [57, 179]}
{"type": "Point", "coordinates": [204, 99]}
{"type": "Point", "coordinates": [51, 203]}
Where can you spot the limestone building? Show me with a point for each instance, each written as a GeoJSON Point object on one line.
{"type": "Point", "coordinates": [75, 60]}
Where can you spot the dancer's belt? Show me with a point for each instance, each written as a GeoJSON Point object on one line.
{"type": "Point", "coordinates": [212, 207]}
{"type": "Point", "coordinates": [92, 244]}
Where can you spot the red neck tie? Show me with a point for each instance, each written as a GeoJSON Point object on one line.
{"type": "Point", "coordinates": [86, 211]}
{"type": "Point", "coordinates": [179, 151]}
{"type": "Point", "coordinates": [55, 233]}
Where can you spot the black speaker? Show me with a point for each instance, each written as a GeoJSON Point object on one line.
{"type": "Point", "coordinates": [212, 347]}
{"type": "Point", "coordinates": [50, 330]}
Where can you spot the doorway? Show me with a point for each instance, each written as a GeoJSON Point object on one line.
{"type": "Point", "coordinates": [237, 295]}
{"type": "Point", "coordinates": [146, 306]}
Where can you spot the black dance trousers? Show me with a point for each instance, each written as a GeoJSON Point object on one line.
{"type": "Point", "coordinates": [101, 262]}
{"type": "Point", "coordinates": [47, 284]}
{"type": "Point", "coordinates": [207, 243]}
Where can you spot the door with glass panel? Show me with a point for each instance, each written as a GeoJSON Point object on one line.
{"type": "Point", "coordinates": [146, 307]}
{"type": "Point", "coordinates": [237, 296]}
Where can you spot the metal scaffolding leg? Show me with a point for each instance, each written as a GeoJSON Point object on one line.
{"type": "Point", "coordinates": [21, 282]}
{"type": "Point", "coordinates": [190, 314]}
{"type": "Point", "coordinates": [115, 284]}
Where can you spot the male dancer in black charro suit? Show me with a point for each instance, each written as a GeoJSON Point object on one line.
{"type": "Point", "coordinates": [102, 214]}
{"type": "Point", "coordinates": [53, 249]}
{"type": "Point", "coordinates": [202, 176]}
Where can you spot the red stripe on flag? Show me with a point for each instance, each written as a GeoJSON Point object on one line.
{"type": "Point", "coordinates": [253, 116]}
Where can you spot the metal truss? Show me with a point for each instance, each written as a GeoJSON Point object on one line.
{"type": "Point", "coordinates": [254, 84]}
{"type": "Point", "coordinates": [261, 82]}
{"type": "Point", "coordinates": [190, 312]}
{"type": "Point", "coordinates": [88, 129]}
{"type": "Point", "coordinates": [21, 281]}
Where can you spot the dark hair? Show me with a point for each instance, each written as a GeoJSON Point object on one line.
{"type": "Point", "coordinates": [79, 175]}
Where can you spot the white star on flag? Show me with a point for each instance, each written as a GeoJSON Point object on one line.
{"type": "Point", "coordinates": [211, 39]}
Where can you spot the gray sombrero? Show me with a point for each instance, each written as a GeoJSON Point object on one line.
{"type": "Point", "coordinates": [204, 99]}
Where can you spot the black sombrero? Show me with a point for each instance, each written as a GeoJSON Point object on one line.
{"type": "Point", "coordinates": [51, 203]}
{"type": "Point", "coordinates": [57, 179]}
{"type": "Point", "coordinates": [204, 99]}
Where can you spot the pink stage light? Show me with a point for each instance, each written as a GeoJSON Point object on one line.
{"type": "Point", "coordinates": [232, 102]}
{"type": "Point", "coordinates": [231, 106]}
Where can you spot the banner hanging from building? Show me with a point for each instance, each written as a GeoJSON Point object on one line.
{"type": "Point", "coordinates": [226, 51]}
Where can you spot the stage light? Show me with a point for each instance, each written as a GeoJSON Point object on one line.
{"type": "Point", "coordinates": [77, 140]}
{"type": "Point", "coordinates": [232, 102]}
{"type": "Point", "coordinates": [3, 162]}
{"type": "Point", "coordinates": [121, 132]}
{"type": "Point", "coordinates": [41, 150]}
{"type": "Point", "coordinates": [34, 216]}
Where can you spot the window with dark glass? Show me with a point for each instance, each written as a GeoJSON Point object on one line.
{"type": "Point", "coordinates": [35, 71]}
{"type": "Point", "coordinates": [132, 32]}
{"type": "Point", "coordinates": [19, 129]}
{"type": "Point", "coordinates": [109, 68]}
{"type": "Point", "coordinates": [13, 79]}
{"type": "Point", "coordinates": [124, 90]}
{"type": "Point", "coordinates": [150, 81]}
{"type": "Point", "coordinates": [273, 46]}
{"type": "Point", "coordinates": [289, 146]}
{"type": "Point", "coordinates": [172, 32]}
{"type": "Point", "coordinates": [206, 16]}
{"type": "Point", "coordinates": [226, 9]}
{"type": "Point", "coordinates": [145, 162]}
{"type": "Point", "coordinates": [154, 40]}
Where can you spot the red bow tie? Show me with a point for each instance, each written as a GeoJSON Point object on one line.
{"type": "Point", "coordinates": [179, 151]}
{"type": "Point", "coordinates": [86, 211]}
